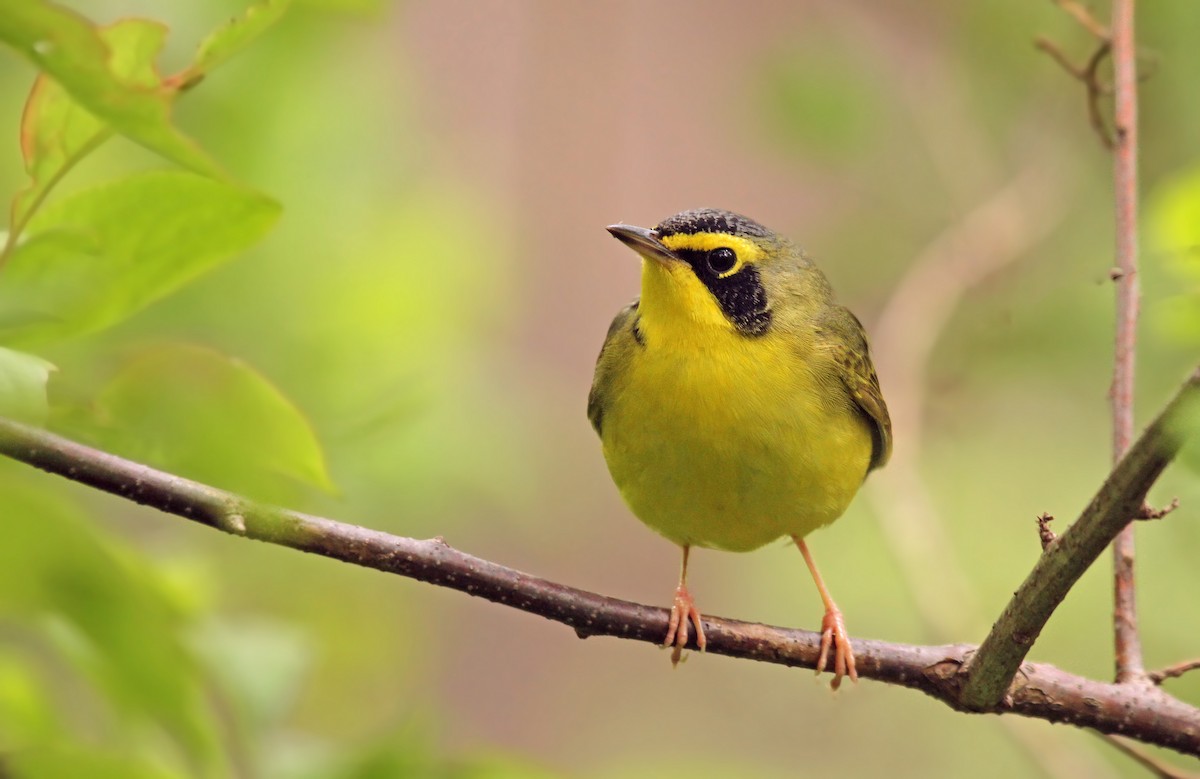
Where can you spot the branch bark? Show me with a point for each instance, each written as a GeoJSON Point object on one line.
{"type": "Point", "coordinates": [1129, 664]}
{"type": "Point", "coordinates": [1145, 713]}
{"type": "Point", "coordinates": [992, 670]}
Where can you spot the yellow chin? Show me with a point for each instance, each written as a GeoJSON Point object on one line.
{"type": "Point", "coordinates": [675, 304]}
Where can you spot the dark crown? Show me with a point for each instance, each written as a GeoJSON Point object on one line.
{"type": "Point", "coordinates": [711, 220]}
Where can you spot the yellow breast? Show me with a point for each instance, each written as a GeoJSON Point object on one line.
{"type": "Point", "coordinates": [719, 440]}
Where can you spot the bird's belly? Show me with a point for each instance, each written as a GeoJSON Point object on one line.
{"type": "Point", "coordinates": [733, 455]}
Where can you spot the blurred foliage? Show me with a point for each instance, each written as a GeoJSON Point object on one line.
{"type": "Point", "coordinates": [173, 393]}
{"type": "Point", "coordinates": [291, 299]}
{"type": "Point", "coordinates": [821, 100]}
{"type": "Point", "coordinates": [118, 665]}
{"type": "Point", "coordinates": [122, 90]}
{"type": "Point", "coordinates": [92, 259]}
{"type": "Point", "coordinates": [92, 611]}
{"type": "Point", "coordinates": [1175, 244]}
{"type": "Point", "coordinates": [23, 380]}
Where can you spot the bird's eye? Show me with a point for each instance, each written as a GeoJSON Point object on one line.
{"type": "Point", "coordinates": [721, 260]}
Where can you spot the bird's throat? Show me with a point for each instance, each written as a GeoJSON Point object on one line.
{"type": "Point", "coordinates": [676, 306]}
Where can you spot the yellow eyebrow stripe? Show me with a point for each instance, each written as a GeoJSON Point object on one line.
{"type": "Point", "coordinates": [746, 250]}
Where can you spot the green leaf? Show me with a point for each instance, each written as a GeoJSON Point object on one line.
{"type": "Point", "coordinates": [237, 34]}
{"type": "Point", "coordinates": [23, 380]}
{"type": "Point", "coordinates": [201, 414]}
{"type": "Point", "coordinates": [100, 256]}
{"type": "Point", "coordinates": [97, 74]}
{"type": "Point", "coordinates": [56, 133]}
{"type": "Point", "coordinates": [105, 610]}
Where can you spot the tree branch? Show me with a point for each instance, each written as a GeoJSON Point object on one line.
{"type": "Point", "coordinates": [1129, 664]}
{"type": "Point", "coordinates": [1145, 713]}
{"type": "Point", "coordinates": [991, 671]}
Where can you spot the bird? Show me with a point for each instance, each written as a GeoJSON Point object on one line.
{"type": "Point", "coordinates": [736, 402]}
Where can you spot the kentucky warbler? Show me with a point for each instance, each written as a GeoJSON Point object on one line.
{"type": "Point", "coordinates": [736, 401]}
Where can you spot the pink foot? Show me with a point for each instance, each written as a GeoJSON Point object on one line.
{"type": "Point", "coordinates": [683, 610]}
{"type": "Point", "coordinates": [833, 633]}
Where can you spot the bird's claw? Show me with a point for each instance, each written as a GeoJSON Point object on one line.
{"type": "Point", "coordinates": [683, 610]}
{"type": "Point", "coordinates": [833, 634]}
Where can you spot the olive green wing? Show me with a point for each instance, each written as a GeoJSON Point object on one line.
{"type": "Point", "coordinates": [623, 335]}
{"type": "Point", "coordinates": [853, 359]}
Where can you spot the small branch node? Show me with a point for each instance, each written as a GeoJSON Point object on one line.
{"type": "Point", "coordinates": [1150, 512]}
{"type": "Point", "coordinates": [232, 522]}
{"type": "Point", "coordinates": [1116, 273]}
{"type": "Point", "coordinates": [1045, 534]}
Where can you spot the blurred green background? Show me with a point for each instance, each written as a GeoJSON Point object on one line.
{"type": "Point", "coordinates": [432, 301]}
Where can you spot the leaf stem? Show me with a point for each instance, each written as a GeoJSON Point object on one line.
{"type": "Point", "coordinates": [18, 224]}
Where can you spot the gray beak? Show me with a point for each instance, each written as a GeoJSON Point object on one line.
{"type": "Point", "coordinates": [642, 241]}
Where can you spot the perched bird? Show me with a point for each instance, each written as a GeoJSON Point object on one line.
{"type": "Point", "coordinates": [735, 400]}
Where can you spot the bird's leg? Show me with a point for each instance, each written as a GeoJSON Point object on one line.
{"type": "Point", "coordinates": [833, 629]}
{"type": "Point", "coordinates": [683, 609]}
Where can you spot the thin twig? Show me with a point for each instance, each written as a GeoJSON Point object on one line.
{"type": "Point", "coordinates": [1159, 768]}
{"type": "Point", "coordinates": [1089, 76]}
{"type": "Point", "coordinates": [1096, 90]}
{"type": "Point", "coordinates": [992, 670]}
{"type": "Point", "coordinates": [1173, 671]}
{"type": "Point", "coordinates": [1129, 661]}
{"type": "Point", "coordinates": [1085, 18]}
{"type": "Point", "coordinates": [1143, 712]}
{"type": "Point", "coordinates": [1150, 512]}
{"type": "Point", "coordinates": [1044, 44]}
